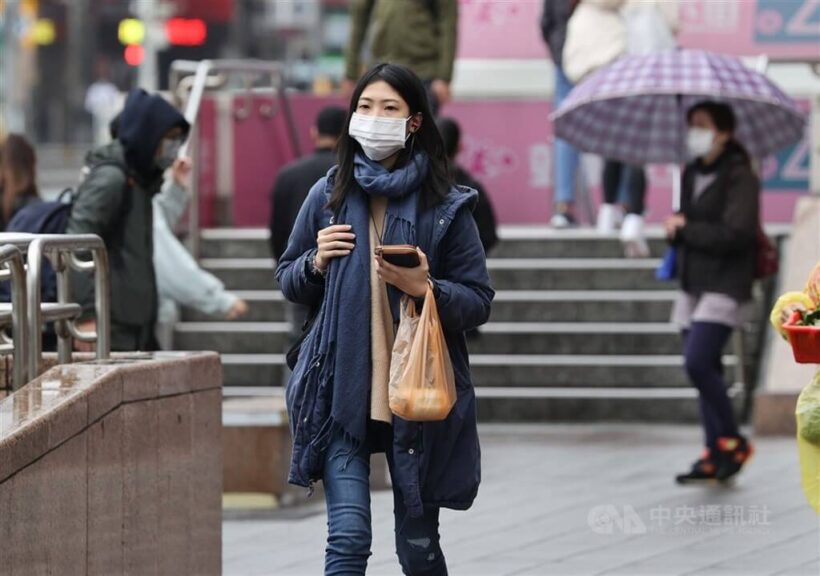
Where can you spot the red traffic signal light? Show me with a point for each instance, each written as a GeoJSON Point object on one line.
{"type": "Point", "coordinates": [186, 31]}
{"type": "Point", "coordinates": [134, 54]}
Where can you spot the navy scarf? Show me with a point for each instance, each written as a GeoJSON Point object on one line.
{"type": "Point", "coordinates": [344, 339]}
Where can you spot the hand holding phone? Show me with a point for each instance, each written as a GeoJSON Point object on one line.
{"type": "Point", "coordinates": [411, 278]}
{"type": "Point", "coordinates": [402, 255]}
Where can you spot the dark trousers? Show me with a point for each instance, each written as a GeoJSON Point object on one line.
{"type": "Point", "coordinates": [631, 180]}
{"type": "Point", "coordinates": [129, 338]}
{"type": "Point", "coordinates": [431, 97]}
{"type": "Point", "coordinates": [347, 493]}
{"type": "Point", "coordinates": [703, 351]}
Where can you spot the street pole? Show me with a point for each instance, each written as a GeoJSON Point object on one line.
{"type": "Point", "coordinates": [76, 79]}
{"type": "Point", "coordinates": [12, 115]}
{"type": "Point", "coordinates": [153, 14]}
{"type": "Point", "coordinates": [146, 11]}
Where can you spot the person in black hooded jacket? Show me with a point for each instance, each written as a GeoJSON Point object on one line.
{"type": "Point", "coordinates": [114, 201]}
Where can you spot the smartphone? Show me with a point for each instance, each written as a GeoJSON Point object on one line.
{"type": "Point", "coordinates": [403, 255]}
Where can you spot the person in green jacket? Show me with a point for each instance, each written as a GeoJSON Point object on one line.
{"type": "Point", "coordinates": [420, 34]}
{"type": "Point", "coordinates": [114, 201]}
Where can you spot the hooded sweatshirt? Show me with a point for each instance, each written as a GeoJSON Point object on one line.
{"type": "Point", "coordinates": [114, 202]}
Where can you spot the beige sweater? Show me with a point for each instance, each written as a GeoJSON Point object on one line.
{"type": "Point", "coordinates": [381, 325]}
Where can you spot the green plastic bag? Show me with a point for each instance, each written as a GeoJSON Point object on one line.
{"type": "Point", "coordinates": [808, 440]}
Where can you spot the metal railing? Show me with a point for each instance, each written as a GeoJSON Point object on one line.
{"type": "Point", "coordinates": [12, 269]}
{"type": "Point", "coordinates": [62, 252]}
{"type": "Point", "coordinates": [188, 82]}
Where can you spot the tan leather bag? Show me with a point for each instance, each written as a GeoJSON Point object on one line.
{"type": "Point", "coordinates": [422, 382]}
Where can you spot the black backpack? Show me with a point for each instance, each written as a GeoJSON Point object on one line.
{"type": "Point", "coordinates": [52, 218]}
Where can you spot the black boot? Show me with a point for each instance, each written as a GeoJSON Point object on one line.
{"type": "Point", "coordinates": [703, 470]}
{"type": "Point", "coordinates": [732, 454]}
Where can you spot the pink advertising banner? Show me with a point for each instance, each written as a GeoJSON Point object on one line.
{"type": "Point", "coordinates": [782, 29]}
{"type": "Point", "coordinates": [507, 146]}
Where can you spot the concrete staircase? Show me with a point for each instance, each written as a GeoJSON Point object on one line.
{"type": "Point", "coordinates": [577, 332]}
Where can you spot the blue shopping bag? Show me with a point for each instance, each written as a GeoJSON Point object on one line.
{"type": "Point", "coordinates": [668, 270]}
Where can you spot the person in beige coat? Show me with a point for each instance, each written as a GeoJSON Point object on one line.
{"type": "Point", "coordinates": [596, 36]}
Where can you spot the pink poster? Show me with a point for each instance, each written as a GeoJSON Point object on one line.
{"type": "Point", "coordinates": [785, 29]}
{"type": "Point", "coordinates": [507, 146]}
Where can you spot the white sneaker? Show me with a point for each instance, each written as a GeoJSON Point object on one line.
{"type": "Point", "coordinates": [609, 218]}
{"type": "Point", "coordinates": [632, 237]}
{"type": "Point", "coordinates": [562, 221]}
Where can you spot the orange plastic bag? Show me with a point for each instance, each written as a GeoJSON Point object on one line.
{"type": "Point", "coordinates": [422, 383]}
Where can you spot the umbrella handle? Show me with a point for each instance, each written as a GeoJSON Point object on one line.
{"type": "Point", "coordinates": [676, 187]}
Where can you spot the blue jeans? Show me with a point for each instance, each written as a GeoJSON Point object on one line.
{"type": "Point", "coordinates": [347, 493]}
{"type": "Point", "coordinates": [566, 155]}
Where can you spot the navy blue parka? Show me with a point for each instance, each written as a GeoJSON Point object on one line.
{"type": "Point", "coordinates": [436, 464]}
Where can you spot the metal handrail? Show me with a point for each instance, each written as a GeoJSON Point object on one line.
{"type": "Point", "coordinates": [61, 251]}
{"type": "Point", "coordinates": [203, 72]}
{"type": "Point", "coordinates": [12, 268]}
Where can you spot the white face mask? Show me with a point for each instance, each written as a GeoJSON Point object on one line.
{"type": "Point", "coordinates": [379, 137]}
{"type": "Point", "coordinates": [699, 141]}
{"type": "Point", "coordinates": [169, 149]}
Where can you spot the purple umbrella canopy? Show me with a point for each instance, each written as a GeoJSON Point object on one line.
{"type": "Point", "coordinates": [634, 109]}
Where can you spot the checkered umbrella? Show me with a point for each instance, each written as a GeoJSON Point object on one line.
{"type": "Point", "coordinates": [633, 110]}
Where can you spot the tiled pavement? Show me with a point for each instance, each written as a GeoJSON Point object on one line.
{"type": "Point", "coordinates": [581, 500]}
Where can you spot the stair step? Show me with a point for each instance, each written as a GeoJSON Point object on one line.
{"type": "Point", "coordinates": [495, 338]}
{"type": "Point", "coordinates": [505, 274]}
{"type": "Point", "coordinates": [591, 405]}
{"type": "Point", "coordinates": [538, 306]}
{"type": "Point", "coordinates": [515, 242]}
{"type": "Point", "coordinates": [598, 404]}
{"type": "Point", "coordinates": [517, 370]}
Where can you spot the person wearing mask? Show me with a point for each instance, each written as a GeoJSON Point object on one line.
{"type": "Point", "coordinates": [180, 279]}
{"type": "Point", "coordinates": [715, 233]}
{"type": "Point", "coordinates": [18, 177]}
{"type": "Point", "coordinates": [419, 34]}
{"type": "Point", "coordinates": [295, 179]}
{"type": "Point", "coordinates": [554, 19]}
{"type": "Point", "coordinates": [115, 201]}
{"type": "Point", "coordinates": [392, 186]}
{"type": "Point", "coordinates": [484, 214]}
{"type": "Point", "coordinates": [651, 26]}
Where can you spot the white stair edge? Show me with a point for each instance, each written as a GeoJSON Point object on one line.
{"type": "Point", "coordinates": [235, 234]}
{"type": "Point", "coordinates": [519, 295]}
{"type": "Point", "coordinates": [572, 264]}
{"type": "Point", "coordinates": [489, 328]}
{"type": "Point", "coordinates": [512, 360]}
{"type": "Point", "coordinates": [523, 393]}
{"type": "Point", "coordinates": [587, 393]}
{"type": "Point", "coordinates": [492, 264]}
{"type": "Point", "coordinates": [584, 295]}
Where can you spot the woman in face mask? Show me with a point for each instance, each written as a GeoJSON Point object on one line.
{"type": "Point", "coordinates": [715, 233]}
{"type": "Point", "coordinates": [390, 187]}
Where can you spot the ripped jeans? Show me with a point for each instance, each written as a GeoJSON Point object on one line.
{"type": "Point", "coordinates": [347, 493]}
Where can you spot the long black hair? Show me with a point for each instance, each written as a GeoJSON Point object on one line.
{"type": "Point", "coordinates": [427, 138]}
{"type": "Point", "coordinates": [724, 119]}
